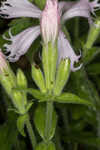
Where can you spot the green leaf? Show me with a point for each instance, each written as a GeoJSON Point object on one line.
{"type": "Point", "coordinates": [21, 123]}
{"type": "Point", "coordinates": [39, 119]}
{"type": "Point", "coordinates": [35, 93]}
{"type": "Point", "coordinates": [83, 87]}
{"type": "Point", "coordinates": [38, 95]}
{"type": "Point", "coordinates": [18, 25]}
{"type": "Point", "coordinates": [40, 3]}
{"type": "Point", "coordinates": [72, 99]}
{"type": "Point", "coordinates": [46, 146]}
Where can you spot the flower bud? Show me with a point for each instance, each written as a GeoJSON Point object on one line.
{"type": "Point", "coordinates": [63, 72]}
{"type": "Point", "coordinates": [22, 83]}
{"type": "Point", "coordinates": [50, 21]}
{"type": "Point", "coordinates": [21, 79]}
{"type": "Point", "coordinates": [38, 78]}
{"type": "Point", "coordinates": [18, 101]}
{"type": "Point", "coordinates": [7, 77]}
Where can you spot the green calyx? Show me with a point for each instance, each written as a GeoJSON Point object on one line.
{"type": "Point", "coordinates": [49, 61]}
{"type": "Point", "coordinates": [62, 76]}
{"type": "Point", "coordinates": [55, 75]}
{"type": "Point", "coordinates": [38, 77]}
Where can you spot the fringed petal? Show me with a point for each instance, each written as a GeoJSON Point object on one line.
{"type": "Point", "coordinates": [21, 42]}
{"type": "Point", "coordinates": [80, 9]}
{"type": "Point", "coordinates": [65, 51]}
{"type": "Point", "coordinates": [83, 8]}
{"type": "Point", "coordinates": [19, 8]}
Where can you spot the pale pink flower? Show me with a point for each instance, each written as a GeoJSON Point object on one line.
{"type": "Point", "coordinates": [65, 51]}
{"type": "Point", "coordinates": [82, 8]}
{"type": "Point", "coordinates": [50, 20]}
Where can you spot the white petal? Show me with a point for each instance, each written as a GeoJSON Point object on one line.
{"type": "Point", "coordinates": [81, 9]}
{"type": "Point", "coordinates": [21, 43]}
{"type": "Point", "coordinates": [19, 8]}
{"type": "Point", "coordinates": [65, 51]}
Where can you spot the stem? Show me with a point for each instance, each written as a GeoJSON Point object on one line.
{"type": "Point", "coordinates": [48, 123]}
{"type": "Point", "coordinates": [31, 133]}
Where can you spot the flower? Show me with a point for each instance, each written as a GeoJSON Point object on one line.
{"type": "Point", "coordinates": [21, 42]}
{"type": "Point", "coordinates": [50, 21]}
{"type": "Point", "coordinates": [83, 8]}
{"type": "Point", "coordinates": [49, 25]}
{"type": "Point", "coordinates": [65, 51]}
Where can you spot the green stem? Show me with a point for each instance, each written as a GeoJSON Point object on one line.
{"type": "Point", "coordinates": [31, 133]}
{"type": "Point", "coordinates": [48, 123]}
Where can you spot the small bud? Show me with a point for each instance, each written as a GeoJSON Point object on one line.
{"type": "Point", "coordinates": [63, 72]}
{"type": "Point", "coordinates": [22, 83]}
{"type": "Point", "coordinates": [7, 77]}
{"type": "Point", "coordinates": [50, 21]}
{"type": "Point", "coordinates": [21, 79]}
{"type": "Point", "coordinates": [38, 78]}
{"type": "Point", "coordinates": [18, 102]}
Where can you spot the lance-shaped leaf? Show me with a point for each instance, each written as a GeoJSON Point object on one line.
{"type": "Point", "coordinates": [72, 99]}
{"type": "Point", "coordinates": [21, 124]}
{"type": "Point", "coordinates": [39, 119]}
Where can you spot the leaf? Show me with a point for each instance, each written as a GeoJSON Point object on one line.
{"type": "Point", "coordinates": [21, 123]}
{"type": "Point", "coordinates": [39, 119]}
{"type": "Point", "coordinates": [40, 4]}
{"type": "Point", "coordinates": [83, 87]}
{"type": "Point", "coordinates": [38, 95]}
{"type": "Point", "coordinates": [35, 93]}
{"type": "Point", "coordinates": [46, 146]}
{"type": "Point", "coordinates": [72, 99]}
